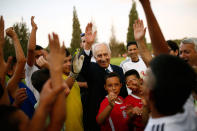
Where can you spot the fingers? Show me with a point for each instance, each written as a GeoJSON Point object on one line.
{"type": "Point", "coordinates": [21, 94]}
{"type": "Point", "coordinates": [1, 22]}
{"type": "Point", "coordinates": [41, 61]}
{"type": "Point", "coordinates": [66, 91]}
{"type": "Point", "coordinates": [88, 28]}
{"type": "Point", "coordinates": [62, 50]}
{"type": "Point", "coordinates": [54, 42]}
{"type": "Point", "coordinates": [94, 35]}
{"type": "Point", "coordinates": [10, 31]}
{"type": "Point", "coordinates": [33, 24]}
{"type": "Point", "coordinates": [1, 28]}
{"type": "Point", "coordinates": [32, 18]}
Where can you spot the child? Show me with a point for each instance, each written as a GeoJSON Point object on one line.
{"type": "Point", "coordinates": [135, 101]}
{"type": "Point", "coordinates": [20, 95]}
{"type": "Point", "coordinates": [112, 115]}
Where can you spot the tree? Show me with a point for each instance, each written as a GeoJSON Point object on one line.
{"type": "Point", "coordinates": [23, 35]}
{"type": "Point", "coordinates": [133, 15]}
{"type": "Point", "coordinates": [76, 39]}
{"type": "Point", "coordinates": [116, 47]}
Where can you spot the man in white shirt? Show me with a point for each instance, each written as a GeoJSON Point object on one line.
{"type": "Point", "coordinates": [134, 61]}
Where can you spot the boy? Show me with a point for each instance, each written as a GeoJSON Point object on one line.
{"type": "Point", "coordinates": [112, 115]}
{"type": "Point", "coordinates": [136, 110]}
{"type": "Point", "coordinates": [20, 94]}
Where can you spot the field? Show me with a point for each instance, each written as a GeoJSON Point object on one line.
{"type": "Point", "coordinates": [117, 60]}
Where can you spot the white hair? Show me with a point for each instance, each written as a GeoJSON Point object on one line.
{"type": "Point", "coordinates": [98, 44]}
{"type": "Point", "coordinates": [190, 40]}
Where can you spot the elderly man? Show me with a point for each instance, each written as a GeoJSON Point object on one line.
{"type": "Point", "coordinates": [188, 51]}
{"type": "Point", "coordinates": [94, 74]}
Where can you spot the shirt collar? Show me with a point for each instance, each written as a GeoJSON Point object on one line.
{"type": "Point", "coordinates": [110, 68]}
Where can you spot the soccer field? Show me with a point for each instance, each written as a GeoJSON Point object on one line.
{"type": "Point", "coordinates": [117, 60]}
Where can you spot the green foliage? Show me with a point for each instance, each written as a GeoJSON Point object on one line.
{"type": "Point", "coordinates": [23, 35]}
{"type": "Point", "coordinates": [133, 15]}
{"type": "Point", "coordinates": [76, 39]}
{"type": "Point", "coordinates": [116, 60]}
{"type": "Point", "coordinates": [117, 48]}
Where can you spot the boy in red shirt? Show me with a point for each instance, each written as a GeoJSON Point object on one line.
{"type": "Point", "coordinates": [136, 105]}
{"type": "Point", "coordinates": [112, 115]}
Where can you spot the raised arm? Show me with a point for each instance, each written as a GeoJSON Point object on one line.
{"type": "Point", "coordinates": [139, 34]}
{"type": "Point", "coordinates": [12, 83]}
{"type": "Point", "coordinates": [157, 39]}
{"type": "Point", "coordinates": [32, 43]}
{"type": "Point", "coordinates": [56, 59]}
{"type": "Point", "coordinates": [3, 65]}
{"type": "Point", "coordinates": [89, 37]}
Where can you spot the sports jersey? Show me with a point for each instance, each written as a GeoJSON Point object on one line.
{"type": "Point", "coordinates": [117, 119]}
{"type": "Point", "coordinates": [178, 122]}
{"type": "Point", "coordinates": [74, 111]}
{"type": "Point", "coordinates": [139, 66]}
{"type": "Point", "coordinates": [135, 101]}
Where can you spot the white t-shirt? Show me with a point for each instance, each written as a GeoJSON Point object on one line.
{"type": "Point", "coordinates": [139, 66]}
{"type": "Point", "coordinates": [178, 122]}
{"type": "Point", "coordinates": [28, 73]}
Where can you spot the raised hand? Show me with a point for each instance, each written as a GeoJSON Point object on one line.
{"type": "Point", "coordinates": [1, 32]}
{"type": "Point", "coordinates": [112, 98]}
{"type": "Point", "coordinates": [10, 32]}
{"type": "Point", "coordinates": [3, 65]}
{"type": "Point", "coordinates": [56, 59]}
{"type": "Point", "coordinates": [34, 26]}
{"type": "Point", "coordinates": [20, 96]}
{"type": "Point", "coordinates": [139, 30]}
{"type": "Point", "coordinates": [133, 111]}
{"type": "Point", "coordinates": [89, 36]}
{"type": "Point", "coordinates": [42, 62]}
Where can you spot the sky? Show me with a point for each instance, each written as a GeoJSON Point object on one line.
{"type": "Point", "coordinates": [177, 18]}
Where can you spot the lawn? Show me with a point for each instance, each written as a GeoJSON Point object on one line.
{"type": "Point", "coordinates": [117, 60]}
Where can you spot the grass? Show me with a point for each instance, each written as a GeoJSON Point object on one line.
{"type": "Point", "coordinates": [117, 60]}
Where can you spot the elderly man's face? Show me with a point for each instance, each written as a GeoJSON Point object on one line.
{"type": "Point", "coordinates": [102, 55]}
{"type": "Point", "coordinates": [188, 53]}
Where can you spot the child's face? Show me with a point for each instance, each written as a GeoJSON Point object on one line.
{"type": "Point", "coordinates": [113, 85]}
{"type": "Point", "coordinates": [133, 83]}
{"type": "Point", "coordinates": [67, 65]}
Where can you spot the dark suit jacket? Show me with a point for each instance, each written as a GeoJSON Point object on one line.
{"type": "Point", "coordinates": [94, 75]}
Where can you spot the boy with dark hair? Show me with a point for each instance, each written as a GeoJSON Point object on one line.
{"type": "Point", "coordinates": [173, 48]}
{"type": "Point", "coordinates": [135, 102]}
{"type": "Point", "coordinates": [168, 86]}
{"type": "Point", "coordinates": [39, 77]}
{"type": "Point", "coordinates": [112, 115]}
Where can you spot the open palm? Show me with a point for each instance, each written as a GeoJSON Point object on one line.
{"type": "Point", "coordinates": [139, 30]}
